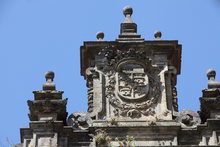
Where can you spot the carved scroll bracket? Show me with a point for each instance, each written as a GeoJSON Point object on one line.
{"type": "Point", "coordinates": [171, 89]}
{"type": "Point", "coordinates": [163, 105]}
{"type": "Point", "coordinates": [91, 74]}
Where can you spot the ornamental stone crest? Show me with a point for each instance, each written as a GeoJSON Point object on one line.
{"type": "Point", "coordinates": [132, 83]}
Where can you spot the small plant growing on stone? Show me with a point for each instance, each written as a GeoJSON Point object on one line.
{"type": "Point", "coordinates": [127, 142]}
{"type": "Point", "coordinates": [113, 121]}
{"type": "Point", "coordinates": [151, 123]}
{"type": "Point", "coordinates": [101, 138]}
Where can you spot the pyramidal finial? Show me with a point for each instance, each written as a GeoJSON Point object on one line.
{"type": "Point", "coordinates": [128, 30]}
{"type": "Point", "coordinates": [49, 85]}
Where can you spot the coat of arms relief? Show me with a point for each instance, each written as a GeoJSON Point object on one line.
{"type": "Point", "coordinates": [132, 84]}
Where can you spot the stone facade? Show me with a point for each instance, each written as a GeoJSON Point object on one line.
{"type": "Point", "coordinates": [132, 98]}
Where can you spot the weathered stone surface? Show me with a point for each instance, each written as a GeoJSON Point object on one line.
{"type": "Point", "coordinates": [131, 80]}
{"type": "Point", "coordinates": [210, 101]}
{"type": "Point", "coordinates": [132, 99]}
{"type": "Point", "coordinates": [128, 31]}
{"type": "Point", "coordinates": [56, 109]}
{"type": "Point", "coordinates": [79, 120]}
{"type": "Point", "coordinates": [47, 117]}
{"type": "Point", "coordinates": [189, 119]}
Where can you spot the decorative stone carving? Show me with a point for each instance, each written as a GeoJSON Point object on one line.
{"type": "Point", "coordinates": [133, 109]}
{"type": "Point", "coordinates": [132, 83]}
{"type": "Point", "coordinates": [49, 85]}
{"type": "Point", "coordinates": [128, 81]}
{"type": "Point", "coordinates": [100, 36]}
{"type": "Point", "coordinates": [79, 120]}
{"type": "Point", "coordinates": [175, 99]}
{"type": "Point", "coordinates": [41, 108]}
{"type": "Point", "coordinates": [189, 119]}
{"type": "Point", "coordinates": [210, 101]}
{"type": "Point", "coordinates": [128, 28]}
{"type": "Point", "coordinates": [157, 35]}
{"type": "Point", "coordinates": [90, 75]}
{"type": "Point", "coordinates": [48, 104]}
{"type": "Point", "coordinates": [211, 76]}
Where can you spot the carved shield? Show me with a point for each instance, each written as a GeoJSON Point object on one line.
{"type": "Point", "coordinates": [132, 81]}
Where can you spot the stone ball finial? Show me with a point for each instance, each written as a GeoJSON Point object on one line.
{"type": "Point", "coordinates": [211, 74]}
{"type": "Point", "coordinates": [49, 85]}
{"type": "Point", "coordinates": [157, 35]}
{"type": "Point", "coordinates": [100, 35]}
{"type": "Point", "coordinates": [49, 75]}
{"type": "Point", "coordinates": [127, 10]}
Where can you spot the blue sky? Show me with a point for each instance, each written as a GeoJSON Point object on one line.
{"type": "Point", "coordinates": [41, 35]}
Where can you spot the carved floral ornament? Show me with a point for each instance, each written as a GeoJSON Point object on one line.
{"type": "Point", "coordinates": [132, 83]}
